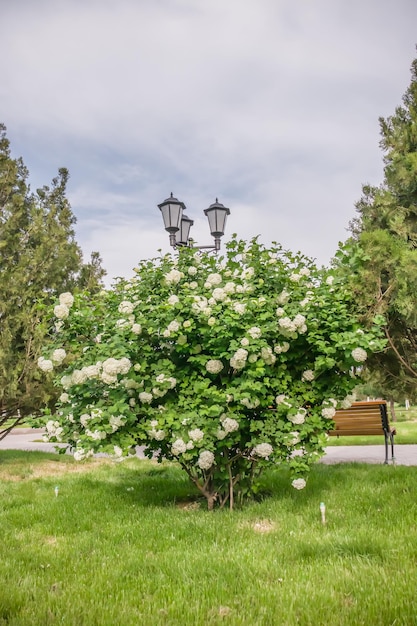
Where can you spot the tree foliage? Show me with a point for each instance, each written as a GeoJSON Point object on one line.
{"type": "Point", "coordinates": [380, 260]}
{"type": "Point", "coordinates": [225, 365]}
{"type": "Point", "coordinates": [39, 258]}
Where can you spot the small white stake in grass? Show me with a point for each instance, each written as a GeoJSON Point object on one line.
{"type": "Point", "coordinates": [323, 512]}
{"type": "Point", "coordinates": [56, 491]}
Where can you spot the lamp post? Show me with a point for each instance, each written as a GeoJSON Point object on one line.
{"type": "Point", "coordinates": [178, 225]}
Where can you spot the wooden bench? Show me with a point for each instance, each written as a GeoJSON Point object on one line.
{"type": "Point", "coordinates": [365, 418]}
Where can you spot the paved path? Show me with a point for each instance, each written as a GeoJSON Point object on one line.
{"type": "Point", "coordinates": [31, 439]}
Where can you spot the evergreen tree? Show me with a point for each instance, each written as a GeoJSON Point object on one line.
{"type": "Point", "coordinates": [381, 257]}
{"type": "Point", "coordinates": [39, 258]}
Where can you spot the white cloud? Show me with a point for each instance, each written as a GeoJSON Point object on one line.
{"type": "Point", "coordinates": [272, 106]}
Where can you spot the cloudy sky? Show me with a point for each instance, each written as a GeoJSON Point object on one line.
{"type": "Point", "coordinates": [270, 105]}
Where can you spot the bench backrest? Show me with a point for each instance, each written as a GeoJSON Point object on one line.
{"type": "Point", "coordinates": [362, 418]}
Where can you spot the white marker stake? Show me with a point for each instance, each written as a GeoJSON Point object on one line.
{"type": "Point", "coordinates": [56, 491]}
{"type": "Point", "coordinates": [323, 512]}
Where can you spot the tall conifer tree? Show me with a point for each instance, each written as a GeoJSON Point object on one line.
{"type": "Point", "coordinates": [39, 258]}
{"type": "Point", "coordinates": [381, 257]}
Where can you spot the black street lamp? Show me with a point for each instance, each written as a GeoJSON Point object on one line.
{"type": "Point", "coordinates": [178, 225]}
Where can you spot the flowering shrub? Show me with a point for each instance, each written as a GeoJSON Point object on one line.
{"type": "Point", "coordinates": [226, 365]}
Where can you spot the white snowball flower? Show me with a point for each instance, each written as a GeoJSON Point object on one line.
{"type": "Point", "coordinates": [67, 299]}
{"type": "Point", "coordinates": [230, 425]}
{"type": "Point", "coordinates": [186, 324]}
{"type": "Point", "coordinates": [244, 342]}
{"type": "Point", "coordinates": [205, 460]}
{"type": "Point", "coordinates": [126, 307]}
{"type": "Point", "coordinates": [307, 376]}
{"type": "Point", "coordinates": [116, 421]}
{"type": "Point", "coordinates": [173, 326]}
{"type": "Point", "coordinates": [211, 321]}
{"type": "Point", "coordinates": [178, 447]}
{"type": "Point", "coordinates": [58, 355]}
{"type": "Point", "coordinates": [145, 397]}
{"type": "Point", "coordinates": [298, 418]}
{"type": "Point", "coordinates": [238, 360]}
{"type": "Point", "coordinates": [280, 398]}
{"type": "Point", "coordinates": [117, 451]}
{"type": "Point", "coordinates": [196, 434]}
{"type": "Point", "coordinates": [45, 365]}
{"type": "Point", "coordinates": [78, 377]}
{"type": "Point", "coordinates": [64, 397]}
{"type": "Point", "coordinates": [282, 347]}
{"type": "Point", "coordinates": [298, 483]}
{"type": "Point", "coordinates": [230, 287]}
{"type": "Point", "coordinates": [136, 329]}
{"type": "Point", "coordinates": [264, 450]}
{"type": "Point", "coordinates": [79, 454]}
{"type": "Point", "coordinates": [359, 354]}
{"type": "Point", "coordinates": [61, 311]}
{"type": "Point", "coordinates": [329, 280]}
{"type": "Point", "coordinates": [328, 413]}
{"type": "Point", "coordinates": [219, 294]}
{"type": "Point", "coordinates": [239, 307]}
{"type": "Point", "coordinates": [192, 270]}
{"type": "Point", "coordinates": [255, 332]}
{"type": "Point", "coordinates": [283, 297]}
{"type": "Point", "coordinates": [268, 356]}
{"type": "Point", "coordinates": [214, 279]}
{"type": "Point", "coordinates": [279, 311]}
{"type": "Point", "coordinates": [172, 300]}
{"type": "Point", "coordinates": [214, 366]}
{"type": "Point", "coordinates": [173, 277]}
{"type": "Point", "coordinates": [248, 273]}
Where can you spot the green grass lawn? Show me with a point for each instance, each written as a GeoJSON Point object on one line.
{"type": "Point", "coordinates": [129, 544]}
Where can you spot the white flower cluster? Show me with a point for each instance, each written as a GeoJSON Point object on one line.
{"type": "Point", "coordinates": [173, 277]}
{"type": "Point", "coordinates": [238, 360]}
{"type": "Point", "coordinates": [307, 376]}
{"type": "Point", "coordinates": [178, 447]}
{"type": "Point", "coordinates": [250, 404]}
{"type": "Point", "coordinates": [239, 307]}
{"type": "Point", "coordinates": [299, 417]}
{"type": "Point", "coordinates": [347, 402]}
{"type": "Point", "coordinates": [205, 460]}
{"type": "Point", "coordinates": [58, 356]}
{"type": "Point", "coordinates": [111, 368]}
{"type": "Point", "coordinates": [212, 280]}
{"type": "Point", "coordinates": [116, 421]}
{"type": "Point", "coordinates": [229, 424]}
{"type": "Point", "coordinates": [298, 483]}
{"type": "Point", "coordinates": [66, 300]}
{"type": "Point", "coordinates": [54, 429]}
{"type": "Point", "coordinates": [283, 297]}
{"type": "Point", "coordinates": [97, 435]}
{"type": "Point", "coordinates": [173, 300]}
{"type": "Point", "coordinates": [282, 347]}
{"type": "Point", "coordinates": [219, 294]}
{"type": "Point", "coordinates": [247, 273]}
{"type": "Point", "coordinates": [126, 307]}
{"type": "Point", "coordinates": [289, 327]}
{"type": "Point", "coordinates": [201, 305]}
{"type": "Point", "coordinates": [263, 450]}
{"type": "Point", "coordinates": [254, 332]}
{"type": "Point", "coordinates": [145, 397]}
{"type": "Point", "coordinates": [328, 412]}
{"type": "Point", "coordinates": [214, 366]}
{"type": "Point", "coordinates": [155, 433]}
{"type": "Point", "coordinates": [268, 356]}
{"type": "Point", "coordinates": [196, 434]}
{"type": "Point", "coordinates": [359, 354]}
{"type": "Point", "coordinates": [45, 365]}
